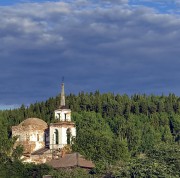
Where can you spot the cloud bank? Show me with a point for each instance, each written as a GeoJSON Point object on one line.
{"type": "Point", "coordinates": [96, 45]}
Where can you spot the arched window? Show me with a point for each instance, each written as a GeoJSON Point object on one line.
{"type": "Point", "coordinates": [45, 137]}
{"type": "Point", "coordinates": [56, 136]}
{"type": "Point", "coordinates": [68, 132]}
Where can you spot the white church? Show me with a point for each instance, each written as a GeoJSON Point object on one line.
{"type": "Point", "coordinates": [35, 134]}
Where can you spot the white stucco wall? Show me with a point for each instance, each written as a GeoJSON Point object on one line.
{"type": "Point", "coordinates": [63, 114]}
{"type": "Point", "coordinates": [64, 136]}
{"type": "Point", "coordinates": [52, 137]}
{"type": "Point", "coordinates": [31, 139]}
{"type": "Point", "coordinates": [30, 135]}
{"type": "Point", "coordinates": [73, 132]}
{"type": "Point", "coordinates": [62, 131]}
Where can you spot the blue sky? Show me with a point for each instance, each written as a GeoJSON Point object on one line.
{"type": "Point", "coordinates": [115, 46]}
{"type": "Point", "coordinates": [12, 2]}
{"type": "Point", "coordinates": [162, 6]}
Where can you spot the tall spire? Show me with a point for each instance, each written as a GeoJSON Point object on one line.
{"type": "Point", "coordinates": [62, 95]}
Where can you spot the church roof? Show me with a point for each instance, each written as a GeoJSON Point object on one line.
{"type": "Point", "coordinates": [34, 122]}
{"type": "Point", "coordinates": [71, 160]}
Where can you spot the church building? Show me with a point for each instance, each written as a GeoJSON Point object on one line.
{"type": "Point", "coordinates": [34, 133]}
{"type": "Point", "coordinates": [51, 143]}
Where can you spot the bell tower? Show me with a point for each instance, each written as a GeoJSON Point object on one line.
{"type": "Point", "coordinates": [63, 130]}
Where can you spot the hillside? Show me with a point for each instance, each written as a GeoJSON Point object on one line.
{"type": "Point", "coordinates": [126, 136]}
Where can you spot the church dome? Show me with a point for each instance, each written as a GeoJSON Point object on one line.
{"type": "Point", "coordinates": [34, 122]}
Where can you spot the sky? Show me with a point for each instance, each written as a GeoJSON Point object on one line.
{"type": "Point", "coordinates": [117, 46]}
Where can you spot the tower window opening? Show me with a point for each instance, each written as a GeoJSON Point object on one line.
{"type": "Point", "coordinates": [68, 132]}
{"type": "Point", "coordinates": [56, 137]}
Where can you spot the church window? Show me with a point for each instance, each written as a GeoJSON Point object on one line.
{"type": "Point", "coordinates": [56, 136]}
{"type": "Point", "coordinates": [37, 137]}
{"type": "Point", "coordinates": [45, 137]}
{"type": "Point", "coordinates": [68, 132]}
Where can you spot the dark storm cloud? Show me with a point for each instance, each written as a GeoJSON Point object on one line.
{"type": "Point", "coordinates": [110, 47]}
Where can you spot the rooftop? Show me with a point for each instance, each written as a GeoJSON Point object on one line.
{"type": "Point", "coordinates": [71, 160]}
{"type": "Point", "coordinates": [35, 122]}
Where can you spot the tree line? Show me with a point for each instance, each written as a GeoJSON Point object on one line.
{"type": "Point", "coordinates": [126, 136]}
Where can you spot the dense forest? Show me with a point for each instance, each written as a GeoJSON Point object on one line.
{"type": "Point", "coordinates": [126, 136]}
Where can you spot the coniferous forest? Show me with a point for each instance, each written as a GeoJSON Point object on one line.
{"type": "Point", "coordinates": [126, 136]}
